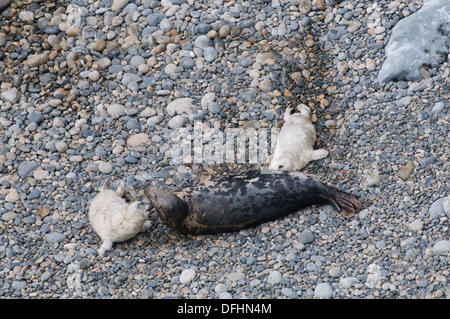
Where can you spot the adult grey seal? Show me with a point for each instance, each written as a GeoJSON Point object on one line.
{"type": "Point", "coordinates": [215, 204]}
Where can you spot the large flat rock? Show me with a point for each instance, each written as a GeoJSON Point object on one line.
{"type": "Point", "coordinates": [419, 40]}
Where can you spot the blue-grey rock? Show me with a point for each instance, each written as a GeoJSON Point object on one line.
{"type": "Point", "coordinates": [402, 84]}
{"type": "Point", "coordinates": [9, 216]}
{"type": "Point", "coordinates": [154, 19]}
{"type": "Point", "coordinates": [147, 293]}
{"type": "Point", "coordinates": [237, 70]}
{"type": "Point", "coordinates": [4, 4]}
{"type": "Point", "coordinates": [441, 247]}
{"type": "Point", "coordinates": [436, 209]}
{"type": "Point", "coordinates": [336, 33]}
{"type": "Point", "coordinates": [187, 62]}
{"type": "Point", "coordinates": [116, 68]}
{"type": "Point", "coordinates": [202, 42]}
{"type": "Point", "coordinates": [133, 124]}
{"type": "Point", "coordinates": [35, 193]}
{"type": "Point", "coordinates": [306, 237]}
{"type": "Point", "coordinates": [202, 28]}
{"type": "Point", "coordinates": [137, 60]}
{"type": "Point", "coordinates": [18, 284]}
{"type": "Point", "coordinates": [25, 168]}
{"type": "Point", "coordinates": [10, 95]}
{"type": "Point", "coordinates": [55, 237]}
{"type": "Point", "coordinates": [438, 107]}
{"type": "Point", "coordinates": [214, 108]}
{"type": "Point", "coordinates": [130, 159]}
{"type": "Point", "coordinates": [306, 21]}
{"type": "Point", "coordinates": [37, 118]}
{"type": "Point", "coordinates": [251, 260]}
{"type": "Point", "coordinates": [210, 54]}
{"type": "Point", "coordinates": [177, 121]}
{"type": "Point", "coordinates": [421, 39]}
{"type": "Point", "coordinates": [130, 77]}
{"type": "Point", "coordinates": [323, 290]}
{"type": "Point", "coordinates": [288, 292]}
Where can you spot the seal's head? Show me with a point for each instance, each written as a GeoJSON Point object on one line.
{"type": "Point", "coordinates": [304, 110]}
{"type": "Point", "coordinates": [170, 207]}
{"type": "Point", "coordinates": [281, 164]}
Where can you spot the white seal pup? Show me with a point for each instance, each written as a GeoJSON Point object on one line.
{"type": "Point", "coordinates": [115, 220]}
{"type": "Point", "coordinates": [295, 142]}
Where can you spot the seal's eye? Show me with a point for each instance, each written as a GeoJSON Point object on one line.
{"type": "Point", "coordinates": [280, 167]}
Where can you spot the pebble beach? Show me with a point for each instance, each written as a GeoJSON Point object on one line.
{"type": "Point", "coordinates": [92, 90]}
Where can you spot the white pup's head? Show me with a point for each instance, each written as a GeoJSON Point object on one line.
{"type": "Point", "coordinates": [140, 208]}
{"type": "Point", "coordinates": [304, 110]}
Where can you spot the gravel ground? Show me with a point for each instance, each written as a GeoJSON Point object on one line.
{"type": "Point", "coordinates": [85, 94]}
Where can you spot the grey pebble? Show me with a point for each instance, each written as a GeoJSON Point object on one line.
{"type": "Point", "coordinates": [438, 107]}
{"type": "Point", "coordinates": [436, 209]}
{"type": "Point", "coordinates": [137, 60]}
{"type": "Point", "coordinates": [18, 285]}
{"type": "Point", "coordinates": [323, 290]}
{"type": "Point", "coordinates": [35, 193]}
{"type": "Point", "coordinates": [288, 292]}
{"type": "Point", "coordinates": [202, 42]}
{"type": "Point", "coordinates": [210, 54]}
{"type": "Point", "coordinates": [25, 168]}
{"type": "Point", "coordinates": [9, 216]}
{"type": "Point", "coordinates": [177, 121]}
{"type": "Point", "coordinates": [154, 19]}
{"type": "Point", "coordinates": [441, 247]}
{"type": "Point", "coordinates": [11, 95]}
{"type": "Point", "coordinates": [187, 62]}
{"type": "Point", "coordinates": [306, 237]}
{"type": "Point", "coordinates": [55, 237]}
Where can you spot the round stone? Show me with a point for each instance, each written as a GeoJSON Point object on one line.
{"type": "Point", "coordinates": [94, 76]}
{"type": "Point", "coordinates": [323, 290]}
{"type": "Point", "coordinates": [306, 237]}
{"type": "Point", "coordinates": [55, 237]}
{"type": "Point", "coordinates": [177, 121]}
{"type": "Point", "coordinates": [187, 275]}
{"type": "Point", "coordinates": [105, 167]}
{"type": "Point", "coordinates": [137, 60]}
{"type": "Point", "coordinates": [441, 247]}
{"type": "Point", "coordinates": [210, 54]}
{"type": "Point", "coordinates": [61, 146]}
{"type": "Point", "coordinates": [274, 278]}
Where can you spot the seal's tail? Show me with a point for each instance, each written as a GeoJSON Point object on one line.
{"type": "Point", "coordinates": [348, 204]}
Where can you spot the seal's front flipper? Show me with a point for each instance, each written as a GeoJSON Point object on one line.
{"type": "Point", "coordinates": [318, 154]}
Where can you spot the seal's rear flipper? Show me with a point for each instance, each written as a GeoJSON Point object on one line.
{"type": "Point", "coordinates": [347, 204]}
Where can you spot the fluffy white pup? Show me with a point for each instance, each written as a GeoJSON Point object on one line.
{"type": "Point", "coordinates": [115, 220]}
{"type": "Point", "coordinates": [294, 148]}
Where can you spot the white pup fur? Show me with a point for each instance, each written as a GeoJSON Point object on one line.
{"type": "Point", "coordinates": [294, 148]}
{"type": "Point", "coordinates": [115, 220]}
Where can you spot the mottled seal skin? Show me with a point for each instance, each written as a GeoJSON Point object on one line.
{"type": "Point", "coordinates": [215, 204]}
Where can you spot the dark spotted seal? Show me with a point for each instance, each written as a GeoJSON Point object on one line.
{"type": "Point", "coordinates": [214, 204]}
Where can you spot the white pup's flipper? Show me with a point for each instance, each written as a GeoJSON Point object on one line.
{"type": "Point", "coordinates": [107, 245]}
{"type": "Point", "coordinates": [146, 226]}
{"type": "Point", "coordinates": [318, 154]}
